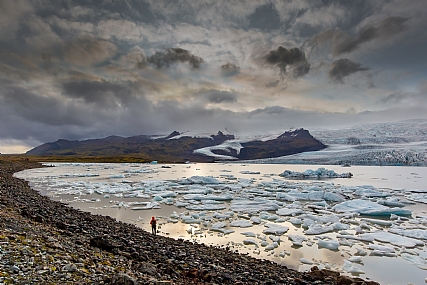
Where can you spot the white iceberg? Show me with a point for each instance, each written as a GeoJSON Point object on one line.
{"type": "Point", "coordinates": [288, 212]}
{"type": "Point", "coordinates": [241, 224]}
{"type": "Point", "coordinates": [250, 242]}
{"type": "Point", "coordinates": [418, 261]}
{"type": "Point", "coordinates": [350, 268]}
{"type": "Point", "coordinates": [366, 207]}
{"type": "Point", "coordinates": [275, 229]}
{"type": "Point", "coordinates": [251, 206]}
{"type": "Point", "coordinates": [412, 233]}
{"type": "Point", "coordinates": [319, 173]}
{"type": "Point", "coordinates": [393, 239]}
{"type": "Point", "coordinates": [297, 239]}
{"type": "Point", "coordinates": [316, 229]}
{"type": "Point", "coordinates": [329, 244]}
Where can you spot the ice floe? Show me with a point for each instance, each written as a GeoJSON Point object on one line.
{"type": "Point", "coordinates": [319, 173]}
{"type": "Point", "coordinates": [366, 207]}
{"type": "Point", "coordinates": [351, 268]}
{"type": "Point", "coordinates": [275, 229]}
{"type": "Point", "coordinates": [393, 239]}
{"type": "Point", "coordinates": [329, 244]}
{"type": "Point", "coordinates": [357, 220]}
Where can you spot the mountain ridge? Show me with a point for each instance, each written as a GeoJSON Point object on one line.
{"type": "Point", "coordinates": [178, 147]}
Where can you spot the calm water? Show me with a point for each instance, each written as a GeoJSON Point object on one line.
{"type": "Point", "coordinates": [387, 270]}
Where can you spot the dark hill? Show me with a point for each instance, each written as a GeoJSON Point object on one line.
{"type": "Point", "coordinates": [291, 142]}
{"type": "Point", "coordinates": [177, 148]}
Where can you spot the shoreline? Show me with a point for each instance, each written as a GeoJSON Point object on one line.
{"type": "Point", "coordinates": [82, 248]}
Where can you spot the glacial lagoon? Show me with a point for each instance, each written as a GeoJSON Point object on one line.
{"type": "Point", "coordinates": [372, 225]}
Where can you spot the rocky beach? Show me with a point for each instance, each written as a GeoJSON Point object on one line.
{"type": "Point", "coordinates": [47, 242]}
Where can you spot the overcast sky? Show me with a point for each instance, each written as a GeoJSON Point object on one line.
{"type": "Point", "coordinates": [73, 70]}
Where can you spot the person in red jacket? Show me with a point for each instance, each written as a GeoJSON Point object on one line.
{"type": "Point", "coordinates": [153, 224]}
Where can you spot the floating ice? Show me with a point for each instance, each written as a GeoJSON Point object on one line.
{"type": "Point", "coordinates": [418, 197]}
{"type": "Point", "coordinates": [340, 226]}
{"type": "Point", "coordinates": [316, 229]}
{"type": "Point", "coordinates": [199, 197]}
{"type": "Point", "coordinates": [305, 261]}
{"type": "Point", "coordinates": [370, 193]}
{"type": "Point", "coordinates": [241, 223]}
{"type": "Point", "coordinates": [329, 244]}
{"type": "Point", "coordinates": [366, 207]}
{"type": "Point", "coordinates": [378, 222]}
{"type": "Point", "coordinates": [255, 220]}
{"type": "Point", "coordinates": [393, 239]}
{"type": "Point", "coordinates": [412, 233]}
{"type": "Point", "coordinates": [268, 216]}
{"type": "Point", "coordinates": [391, 202]}
{"type": "Point", "coordinates": [297, 239]}
{"type": "Point", "coordinates": [199, 180]}
{"type": "Point", "coordinates": [350, 268]}
{"type": "Point", "coordinates": [418, 261]}
{"type": "Point", "coordinates": [275, 229]}
{"type": "Point", "coordinates": [190, 220]}
{"type": "Point", "coordinates": [319, 173]}
{"type": "Point", "coordinates": [249, 172]}
{"type": "Point", "coordinates": [288, 212]}
{"type": "Point", "coordinates": [294, 195]}
{"type": "Point", "coordinates": [381, 248]}
{"type": "Point", "coordinates": [148, 206]}
{"type": "Point", "coordinates": [355, 259]}
{"type": "Point", "coordinates": [295, 221]}
{"type": "Point", "coordinates": [251, 206]}
{"type": "Point", "coordinates": [250, 242]}
{"type": "Point", "coordinates": [205, 207]}
{"type": "Point", "coordinates": [249, 234]}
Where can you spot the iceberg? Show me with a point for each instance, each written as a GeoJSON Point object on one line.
{"type": "Point", "coordinates": [274, 229]}
{"type": "Point", "coordinates": [412, 233]}
{"type": "Point", "coordinates": [350, 268]}
{"type": "Point", "coordinates": [378, 222]}
{"type": "Point", "coordinates": [418, 197]}
{"type": "Point", "coordinates": [366, 207]}
{"type": "Point", "coordinates": [319, 173]}
{"type": "Point", "coordinates": [394, 239]}
{"type": "Point", "coordinates": [248, 234]}
{"type": "Point", "coordinates": [294, 195]}
{"type": "Point", "coordinates": [297, 239]}
{"type": "Point", "coordinates": [250, 242]}
{"type": "Point", "coordinates": [205, 207]}
{"type": "Point", "coordinates": [305, 261]}
{"type": "Point", "coordinates": [418, 261]}
{"type": "Point", "coordinates": [200, 180]}
{"type": "Point", "coordinates": [329, 244]}
{"type": "Point", "coordinates": [199, 197]}
{"type": "Point", "coordinates": [148, 206]}
{"type": "Point", "coordinates": [316, 229]}
{"type": "Point", "coordinates": [241, 224]}
{"type": "Point", "coordinates": [252, 206]}
{"type": "Point", "coordinates": [295, 221]}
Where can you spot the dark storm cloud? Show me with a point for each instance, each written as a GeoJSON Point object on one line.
{"type": "Point", "coordinates": [229, 69]}
{"type": "Point", "coordinates": [218, 97]}
{"type": "Point", "coordinates": [342, 68]}
{"type": "Point", "coordinates": [173, 55]}
{"type": "Point", "coordinates": [33, 107]}
{"type": "Point", "coordinates": [343, 43]}
{"type": "Point", "coordinates": [418, 98]}
{"type": "Point", "coordinates": [291, 61]}
{"type": "Point", "coordinates": [272, 84]}
{"type": "Point", "coordinates": [102, 93]}
{"type": "Point", "coordinates": [88, 50]}
{"type": "Point", "coordinates": [265, 17]}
